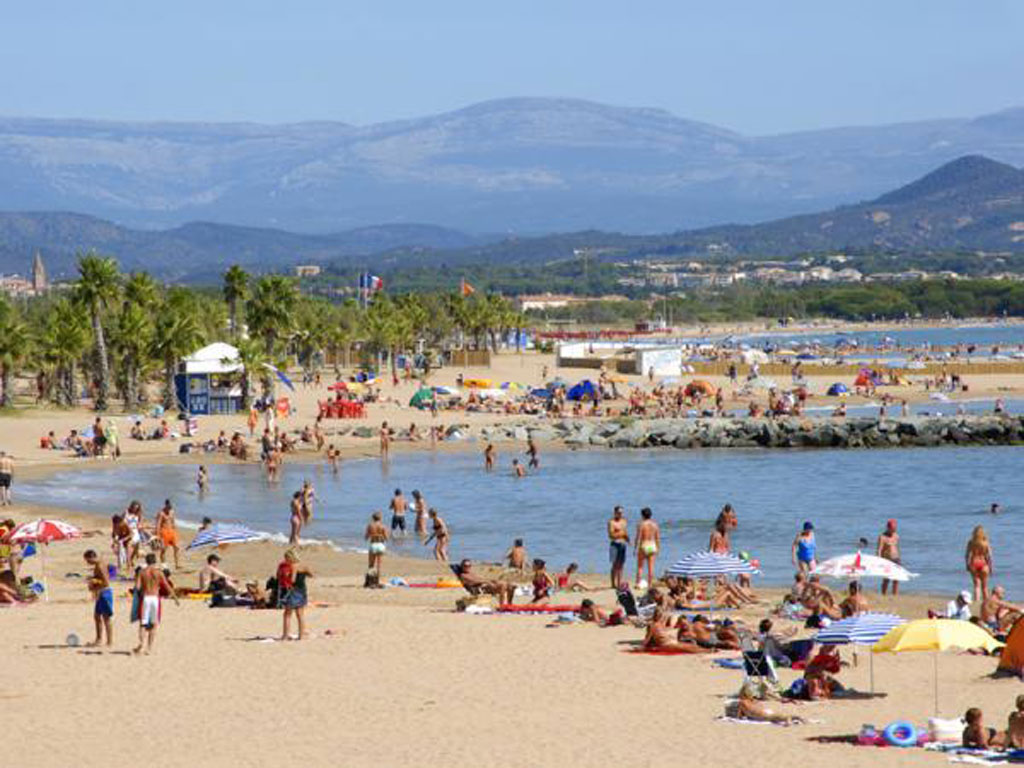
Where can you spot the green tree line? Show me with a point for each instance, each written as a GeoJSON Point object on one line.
{"type": "Point", "coordinates": [116, 333]}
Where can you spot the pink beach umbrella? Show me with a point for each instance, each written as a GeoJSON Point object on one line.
{"type": "Point", "coordinates": [43, 532]}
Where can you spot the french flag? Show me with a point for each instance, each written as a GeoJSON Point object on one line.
{"type": "Point", "coordinates": [370, 283]}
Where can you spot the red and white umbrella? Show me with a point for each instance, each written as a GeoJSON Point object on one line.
{"type": "Point", "coordinates": [859, 566]}
{"type": "Point", "coordinates": [43, 532]}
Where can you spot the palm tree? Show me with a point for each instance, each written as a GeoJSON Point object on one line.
{"type": "Point", "coordinates": [251, 358]}
{"type": "Point", "coordinates": [270, 314]}
{"type": "Point", "coordinates": [63, 341]}
{"type": "Point", "coordinates": [177, 334]}
{"type": "Point", "coordinates": [132, 340]}
{"type": "Point", "coordinates": [141, 289]}
{"type": "Point", "coordinates": [97, 287]}
{"type": "Point", "coordinates": [236, 288]}
{"type": "Point", "coordinates": [15, 344]}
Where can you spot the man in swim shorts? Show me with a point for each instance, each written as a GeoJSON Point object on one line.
{"type": "Point", "coordinates": [167, 531]}
{"type": "Point", "coordinates": [376, 536]}
{"type": "Point", "coordinates": [888, 547]}
{"type": "Point", "coordinates": [6, 478]}
{"type": "Point", "coordinates": [103, 596]}
{"type": "Point", "coordinates": [647, 544]}
{"type": "Point", "coordinates": [618, 543]}
{"type": "Point", "coordinates": [151, 583]}
{"type": "Point", "coordinates": [398, 507]}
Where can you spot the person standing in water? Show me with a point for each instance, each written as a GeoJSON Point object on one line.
{"type": "Point", "coordinates": [888, 547]}
{"type": "Point", "coordinates": [308, 497]}
{"type": "Point", "coordinates": [647, 544]}
{"type": "Point", "coordinates": [333, 455]}
{"type": "Point", "coordinates": [202, 480]}
{"type": "Point", "coordinates": [805, 548]}
{"type": "Point", "coordinates": [618, 544]}
{"type": "Point", "coordinates": [533, 452]}
{"type": "Point", "coordinates": [385, 441]}
{"type": "Point", "coordinates": [978, 558]}
{"type": "Point", "coordinates": [296, 518]}
{"type": "Point", "coordinates": [489, 457]}
{"type": "Point", "coordinates": [440, 537]}
{"type": "Point", "coordinates": [419, 505]}
{"type": "Point", "coordinates": [6, 478]}
{"type": "Point", "coordinates": [398, 507]}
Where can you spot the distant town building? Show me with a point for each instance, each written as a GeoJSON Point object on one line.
{"type": "Point", "coordinates": [16, 285]}
{"type": "Point", "coordinates": [39, 281]}
{"type": "Point", "coordinates": [307, 270]}
{"type": "Point", "coordinates": [543, 301]}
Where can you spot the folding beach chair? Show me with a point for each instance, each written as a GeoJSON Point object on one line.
{"type": "Point", "coordinates": [629, 604]}
{"type": "Point", "coordinates": [756, 663]}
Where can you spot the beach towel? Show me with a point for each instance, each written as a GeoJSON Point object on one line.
{"type": "Point", "coordinates": [743, 721]}
{"type": "Point", "coordinates": [659, 651]}
{"type": "Point", "coordinates": [729, 663]}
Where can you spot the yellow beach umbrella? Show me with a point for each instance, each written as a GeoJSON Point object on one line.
{"type": "Point", "coordinates": [935, 635]}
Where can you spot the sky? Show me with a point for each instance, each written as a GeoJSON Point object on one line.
{"type": "Point", "coordinates": [753, 66]}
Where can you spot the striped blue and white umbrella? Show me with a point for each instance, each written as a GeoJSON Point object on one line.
{"type": "Point", "coordinates": [224, 533]}
{"type": "Point", "coordinates": [703, 565]}
{"type": "Point", "coordinates": [863, 629]}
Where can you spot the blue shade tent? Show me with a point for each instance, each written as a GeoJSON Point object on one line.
{"type": "Point", "coordinates": [585, 390]}
{"type": "Point", "coordinates": [838, 389]}
{"type": "Point", "coordinates": [542, 393]}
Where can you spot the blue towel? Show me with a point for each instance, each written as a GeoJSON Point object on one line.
{"type": "Point", "coordinates": [730, 663]}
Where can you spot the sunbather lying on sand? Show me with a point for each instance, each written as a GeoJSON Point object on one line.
{"type": "Point", "coordinates": [660, 637]}
{"type": "Point", "coordinates": [748, 707]}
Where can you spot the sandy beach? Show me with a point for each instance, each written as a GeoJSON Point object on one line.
{"type": "Point", "coordinates": [397, 676]}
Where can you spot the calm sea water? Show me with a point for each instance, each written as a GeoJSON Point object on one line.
{"type": "Point", "coordinates": [1007, 337]}
{"type": "Point", "coordinates": [937, 495]}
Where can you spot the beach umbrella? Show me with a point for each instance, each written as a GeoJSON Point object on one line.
{"type": "Point", "coordinates": [280, 376]}
{"type": "Point", "coordinates": [859, 566]}
{"type": "Point", "coordinates": [224, 533]}
{"type": "Point", "coordinates": [703, 565]}
{"type": "Point", "coordinates": [513, 385]}
{"type": "Point", "coordinates": [443, 390]}
{"type": "Point", "coordinates": [838, 390]}
{"type": "Point", "coordinates": [862, 629]}
{"type": "Point", "coordinates": [43, 532]}
{"type": "Point", "coordinates": [422, 396]}
{"type": "Point", "coordinates": [935, 635]}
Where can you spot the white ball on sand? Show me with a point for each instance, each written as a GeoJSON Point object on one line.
{"type": "Point", "coordinates": [72, 640]}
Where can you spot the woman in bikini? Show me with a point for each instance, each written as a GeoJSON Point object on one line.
{"type": "Point", "coordinates": [542, 582]}
{"type": "Point", "coordinates": [978, 558]}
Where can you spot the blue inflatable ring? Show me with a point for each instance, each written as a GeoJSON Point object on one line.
{"type": "Point", "coordinates": [900, 734]}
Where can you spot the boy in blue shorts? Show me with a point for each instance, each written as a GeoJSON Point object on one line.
{"type": "Point", "coordinates": [103, 609]}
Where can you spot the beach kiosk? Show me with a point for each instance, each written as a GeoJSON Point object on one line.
{"type": "Point", "coordinates": [205, 384]}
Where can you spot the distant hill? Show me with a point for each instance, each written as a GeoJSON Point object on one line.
{"type": "Point", "coordinates": [525, 166]}
{"type": "Point", "coordinates": [200, 251]}
{"type": "Point", "coordinates": [971, 203]}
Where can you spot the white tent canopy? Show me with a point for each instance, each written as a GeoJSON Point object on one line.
{"type": "Point", "coordinates": [210, 359]}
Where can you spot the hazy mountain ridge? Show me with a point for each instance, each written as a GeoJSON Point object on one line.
{"type": "Point", "coordinates": [524, 165]}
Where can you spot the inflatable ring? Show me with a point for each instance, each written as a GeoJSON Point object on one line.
{"type": "Point", "coordinates": [900, 734]}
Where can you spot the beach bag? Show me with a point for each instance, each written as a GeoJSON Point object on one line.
{"type": "Point", "coordinates": [371, 580]}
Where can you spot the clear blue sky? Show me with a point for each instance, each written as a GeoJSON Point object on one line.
{"type": "Point", "coordinates": [751, 65]}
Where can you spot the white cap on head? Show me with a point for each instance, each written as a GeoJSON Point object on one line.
{"type": "Point", "coordinates": [965, 595]}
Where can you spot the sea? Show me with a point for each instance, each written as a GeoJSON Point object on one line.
{"type": "Point", "coordinates": [937, 496]}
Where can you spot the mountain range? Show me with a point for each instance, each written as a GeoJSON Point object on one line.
{"type": "Point", "coordinates": [522, 166]}
{"type": "Point", "coordinates": [971, 203]}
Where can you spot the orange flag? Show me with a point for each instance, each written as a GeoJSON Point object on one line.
{"type": "Point", "coordinates": [466, 288]}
